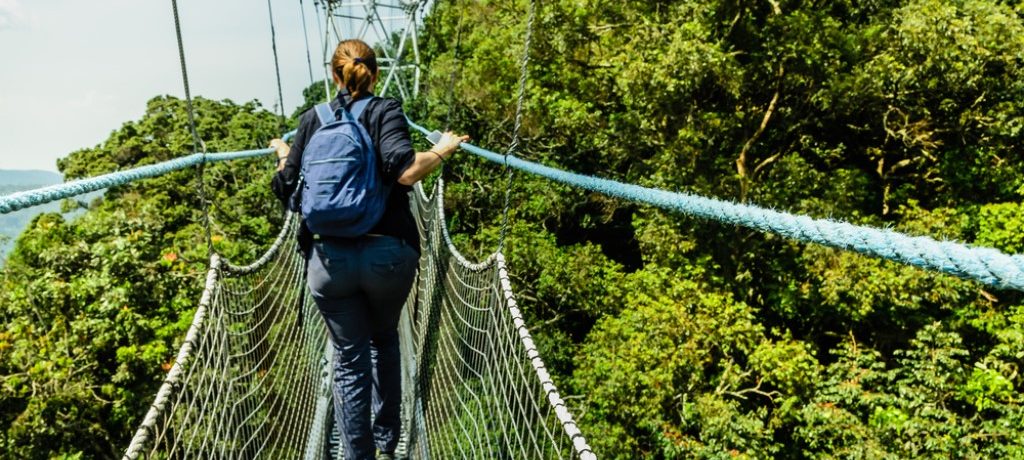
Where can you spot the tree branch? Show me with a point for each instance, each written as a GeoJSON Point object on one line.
{"type": "Point", "coordinates": [765, 162]}
{"type": "Point", "coordinates": [741, 394]}
{"type": "Point", "coordinates": [741, 161]}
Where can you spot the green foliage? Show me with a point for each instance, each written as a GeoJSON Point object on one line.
{"type": "Point", "coordinates": [96, 306]}
{"type": "Point", "coordinates": [694, 339]}
{"type": "Point", "coordinates": [673, 337]}
{"type": "Point", "coordinates": [666, 374]}
{"type": "Point", "coordinates": [1001, 225]}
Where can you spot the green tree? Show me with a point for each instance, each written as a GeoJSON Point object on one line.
{"type": "Point", "coordinates": [902, 114]}
{"type": "Point", "coordinates": [95, 307]}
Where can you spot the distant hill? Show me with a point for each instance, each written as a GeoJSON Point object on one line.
{"type": "Point", "coordinates": [21, 178]}
{"type": "Point", "coordinates": [11, 225]}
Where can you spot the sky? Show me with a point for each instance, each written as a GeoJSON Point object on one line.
{"type": "Point", "coordinates": [72, 71]}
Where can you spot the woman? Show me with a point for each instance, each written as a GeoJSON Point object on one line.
{"type": "Point", "coordinates": [360, 284]}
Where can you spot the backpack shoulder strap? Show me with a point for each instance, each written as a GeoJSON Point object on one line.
{"type": "Point", "coordinates": [325, 114]}
{"type": "Point", "coordinates": [356, 108]}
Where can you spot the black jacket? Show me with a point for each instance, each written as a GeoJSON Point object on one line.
{"type": "Point", "coordinates": [385, 122]}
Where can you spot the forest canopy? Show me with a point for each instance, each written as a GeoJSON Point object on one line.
{"type": "Point", "coordinates": [684, 338]}
{"type": "Point", "coordinates": [671, 337]}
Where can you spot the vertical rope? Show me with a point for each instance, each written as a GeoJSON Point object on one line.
{"type": "Point", "coordinates": [197, 142]}
{"type": "Point", "coordinates": [305, 36]}
{"type": "Point", "coordinates": [514, 145]}
{"type": "Point", "coordinates": [455, 73]}
{"type": "Point", "coordinates": [277, 67]}
{"type": "Point", "coordinates": [323, 51]}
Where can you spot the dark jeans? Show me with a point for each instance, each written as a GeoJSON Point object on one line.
{"type": "Point", "coordinates": [360, 285]}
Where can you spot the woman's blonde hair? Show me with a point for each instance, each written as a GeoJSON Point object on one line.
{"type": "Point", "coordinates": [355, 65]}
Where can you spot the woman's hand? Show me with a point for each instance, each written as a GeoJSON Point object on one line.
{"type": "Point", "coordinates": [282, 148]}
{"type": "Point", "coordinates": [282, 152]}
{"type": "Point", "coordinates": [425, 162]}
{"type": "Point", "coordinates": [449, 143]}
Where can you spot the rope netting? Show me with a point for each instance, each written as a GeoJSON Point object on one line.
{"type": "Point", "coordinates": [252, 378]}
{"type": "Point", "coordinates": [480, 388]}
{"type": "Point", "coordinates": [249, 380]}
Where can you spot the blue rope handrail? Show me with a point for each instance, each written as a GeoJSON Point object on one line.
{"type": "Point", "coordinates": [29, 198]}
{"type": "Point", "coordinates": [986, 265]}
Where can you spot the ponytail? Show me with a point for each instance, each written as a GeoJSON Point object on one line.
{"type": "Point", "coordinates": [355, 65]}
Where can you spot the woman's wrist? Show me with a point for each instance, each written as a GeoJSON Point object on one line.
{"type": "Point", "coordinates": [439, 156]}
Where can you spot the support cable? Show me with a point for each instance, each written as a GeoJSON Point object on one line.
{"type": "Point", "coordinates": [277, 67]}
{"type": "Point", "coordinates": [452, 80]}
{"type": "Point", "coordinates": [455, 73]}
{"type": "Point", "coordinates": [323, 50]}
{"type": "Point", "coordinates": [514, 145]}
{"type": "Point", "coordinates": [197, 142]}
{"type": "Point", "coordinates": [305, 36]}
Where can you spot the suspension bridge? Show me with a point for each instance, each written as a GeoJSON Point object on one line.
{"type": "Point", "coordinates": [252, 377]}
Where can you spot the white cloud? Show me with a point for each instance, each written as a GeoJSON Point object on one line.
{"type": "Point", "coordinates": [12, 14]}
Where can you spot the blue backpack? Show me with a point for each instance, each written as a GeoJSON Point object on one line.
{"type": "Point", "coordinates": [342, 192]}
